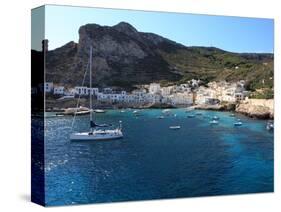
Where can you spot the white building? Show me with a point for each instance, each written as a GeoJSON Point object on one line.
{"type": "Point", "coordinates": [48, 87]}
{"type": "Point", "coordinates": [69, 92]}
{"type": "Point", "coordinates": [154, 88]}
{"type": "Point", "coordinates": [82, 91]}
{"type": "Point", "coordinates": [93, 91]}
{"type": "Point", "coordinates": [166, 91]}
{"type": "Point", "coordinates": [59, 90]}
{"type": "Point", "coordinates": [181, 99]}
{"type": "Point", "coordinates": [107, 90]}
{"type": "Point", "coordinates": [203, 95]}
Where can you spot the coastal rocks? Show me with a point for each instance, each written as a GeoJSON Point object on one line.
{"type": "Point", "coordinates": [218, 107]}
{"type": "Point", "coordinates": [256, 108]}
{"type": "Point", "coordinates": [209, 107]}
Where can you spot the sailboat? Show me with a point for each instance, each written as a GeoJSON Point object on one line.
{"type": "Point", "coordinates": [97, 131]}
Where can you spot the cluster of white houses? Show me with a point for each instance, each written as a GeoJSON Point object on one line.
{"type": "Point", "coordinates": [184, 94]}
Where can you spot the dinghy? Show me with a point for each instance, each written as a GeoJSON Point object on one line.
{"type": "Point", "coordinates": [175, 127]}
{"type": "Point", "coordinates": [237, 124]}
{"type": "Point", "coordinates": [214, 122]}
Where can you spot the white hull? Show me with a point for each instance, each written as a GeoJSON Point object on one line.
{"type": "Point", "coordinates": [214, 122]}
{"type": "Point", "coordinates": [174, 127]}
{"type": "Point", "coordinates": [237, 124]}
{"type": "Point", "coordinates": [97, 135]}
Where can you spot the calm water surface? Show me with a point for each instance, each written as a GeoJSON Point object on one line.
{"type": "Point", "coordinates": [153, 162]}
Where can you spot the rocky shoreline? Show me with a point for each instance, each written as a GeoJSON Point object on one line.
{"type": "Point", "coordinates": [254, 108]}
{"type": "Point", "coordinates": [257, 108]}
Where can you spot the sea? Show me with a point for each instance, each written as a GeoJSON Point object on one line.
{"type": "Point", "coordinates": [153, 161]}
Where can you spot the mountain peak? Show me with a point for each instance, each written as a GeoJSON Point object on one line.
{"type": "Point", "coordinates": [125, 27]}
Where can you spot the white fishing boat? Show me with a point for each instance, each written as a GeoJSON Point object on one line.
{"type": "Point", "coordinates": [214, 122]}
{"type": "Point", "coordinates": [191, 116]}
{"type": "Point", "coordinates": [189, 109]}
{"type": "Point", "coordinates": [238, 123]}
{"type": "Point", "coordinates": [75, 111]}
{"type": "Point", "coordinates": [99, 111]}
{"type": "Point", "coordinates": [270, 126]}
{"type": "Point", "coordinates": [216, 118]}
{"type": "Point", "coordinates": [97, 132]}
{"type": "Point", "coordinates": [166, 110]}
{"type": "Point", "coordinates": [175, 127]}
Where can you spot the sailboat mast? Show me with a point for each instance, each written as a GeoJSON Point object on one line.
{"type": "Point", "coordinates": [91, 106]}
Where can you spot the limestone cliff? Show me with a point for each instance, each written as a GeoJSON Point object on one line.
{"type": "Point", "coordinates": [257, 108]}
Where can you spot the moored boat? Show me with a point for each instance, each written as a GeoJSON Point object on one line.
{"type": "Point", "coordinates": [238, 123]}
{"type": "Point", "coordinates": [216, 118]}
{"type": "Point", "coordinates": [99, 111]}
{"type": "Point", "coordinates": [214, 122]}
{"type": "Point", "coordinates": [270, 126]}
{"type": "Point", "coordinates": [97, 132]}
{"type": "Point", "coordinates": [175, 127]}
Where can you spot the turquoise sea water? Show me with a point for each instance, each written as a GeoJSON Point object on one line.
{"type": "Point", "coordinates": [154, 162]}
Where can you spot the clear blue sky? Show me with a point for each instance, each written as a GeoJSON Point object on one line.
{"type": "Point", "coordinates": [229, 33]}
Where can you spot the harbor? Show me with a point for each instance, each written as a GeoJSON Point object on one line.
{"type": "Point", "coordinates": [197, 159]}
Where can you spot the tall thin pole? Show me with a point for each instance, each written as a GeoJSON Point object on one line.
{"type": "Point", "coordinates": [91, 106]}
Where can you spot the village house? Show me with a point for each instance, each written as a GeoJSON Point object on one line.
{"type": "Point", "coordinates": [154, 88]}
{"type": "Point", "coordinates": [82, 91]}
{"type": "Point", "coordinates": [59, 90]}
{"type": "Point", "coordinates": [182, 94]}
{"type": "Point", "coordinates": [166, 91]}
{"type": "Point", "coordinates": [69, 92]}
{"type": "Point", "coordinates": [48, 87]}
{"type": "Point", "coordinates": [182, 99]}
{"type": "Point", "coordinates": [93, 91]}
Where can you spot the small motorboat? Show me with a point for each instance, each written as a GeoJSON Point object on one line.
{"type": "Point", "coordinates": [191, 116]}
{"type": "Point", "coordinates": [99, 111]}
{"type": "Point", "coordinates": [166, 110]}
{"type": "Point", "coordinates": [75, 111]}
{"type": "Point", "coordinates": [216, 118]}
{"type": "Point", "coordinates": [199, 114]}
{"type": "Point", "coordinates": [214, 122]}
{"type": "Point", "coordinates": [270, 126]}
{"type": "Point", "coordinates": [232, 115]}
{"type": "Point", "coordinates": [160, 117]}
{"type": "Point", "coordinates": [189, 109]}
{"type": "Point", "coordinates": [175, 127]}
{"type": "Point", "coordinates": [238, 123]}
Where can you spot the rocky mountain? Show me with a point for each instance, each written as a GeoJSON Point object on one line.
{"type": "Point", "coordinates": [123, 56]}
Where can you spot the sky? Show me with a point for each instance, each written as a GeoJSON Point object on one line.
{"type": "Point", "coordinates": [233, 34]}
